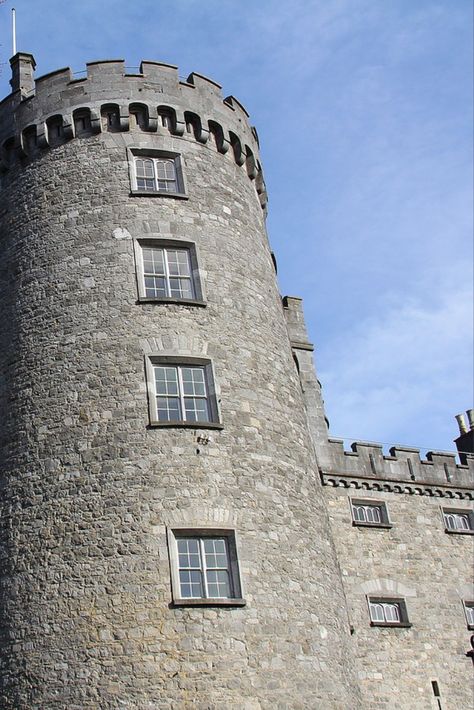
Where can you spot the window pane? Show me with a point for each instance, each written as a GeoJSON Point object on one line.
{"type": "Point", "coordinates": [392, 612]}
{"type": "Point", "coordinates": [168, 409]}
{"type": "Point", "coordinates": [359, 513]}
{"type": "Point", "coordinates": [191, 583]}
{"type": "Point", "coordinates": [180, 288]}
{"type": "Point", "coordinates": [196, 410]}
{"type": "Point", "coordinates": [470, 615]}
{"type": "Point", "coordinates": [155, 286]}
{"type": "Point", "coordinates": [218, 583]}
{"type": "Point", "coordinates": [166, 379]}
{"type": "Point", "coordinates": [188, 553]}
{"type": "Point", "coordinates": [376, 612]}
{"type": "Point", "coordinates": [193, 381]}
{"type": "Point", "coordinates": [373, 514]}
{"type": "Point", "coordinates": [178, 262]}
{"type": "Point", "coordinates": [165, 170]}
{"type": "Point", "coordinates": [216, 553]}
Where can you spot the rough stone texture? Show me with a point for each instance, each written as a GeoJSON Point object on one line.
{"type": "Point", "coordinates": [432, 570]}
{"type": "Point", "coordinates": [88, 489]}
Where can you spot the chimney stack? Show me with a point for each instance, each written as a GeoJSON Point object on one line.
{"type": "Point", "coordinates": [23, 66]}
{"type": "Point", "coordinates": [465, 441]}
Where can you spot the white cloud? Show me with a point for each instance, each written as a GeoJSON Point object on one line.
{"type": "Point", "coordinates": [391, 371]}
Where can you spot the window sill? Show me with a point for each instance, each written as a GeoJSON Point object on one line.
{"type": "Point", "coordinates": [209, 602]}
{"type": "Point", "coordinates": [384, 526]}
{"type": "Point", "coordinates": [186, 425]}
{"type": "Point", "coordinates": [179, 301]}
{"type": "Point", "coordinates": [151, 193]}
{"type": "Point", "coordinates": [395, 625]}
{"type": "Point", "coordinates": [459, 532]}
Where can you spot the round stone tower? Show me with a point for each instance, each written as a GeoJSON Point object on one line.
{"type": "Point", "coordinates": [164, 542]}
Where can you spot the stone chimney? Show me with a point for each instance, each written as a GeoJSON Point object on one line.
{"type": "Point", "coordinates": [23, 66]}
{"type": "Point", "coordinates": [465, 440]}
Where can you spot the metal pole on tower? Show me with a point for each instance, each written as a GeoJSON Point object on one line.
{"type": "Point", "coordinates": [14, 31]}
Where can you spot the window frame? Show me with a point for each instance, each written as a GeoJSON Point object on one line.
{"type": "Point", "coordinates": [469, 604]}
{"type": "Point", "coordinates": [468, 512]}
{"type": "Point", "coordinates": [399, 602]}
{"type": "Point", "coordinates": [168, 244]}
{"type": "Point", "coordinates": [155, 155]}
{"type": "Point", "coordinates": [201, 533]}
{"type": "Point", "coordinates": [384, 523]}
{"type": "Point", "coordinates": [151, 361]}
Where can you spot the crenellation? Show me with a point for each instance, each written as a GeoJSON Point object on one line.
{"type": "Point", "coordinates": [366, 460]}
{"type": "Point", "coordinates": [157, 89]}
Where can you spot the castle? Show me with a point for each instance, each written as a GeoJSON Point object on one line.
{"type": "Point", "coordinates": [178, 529]}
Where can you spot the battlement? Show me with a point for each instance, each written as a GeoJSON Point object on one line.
{"type": "Point", "coordinates": [154, 98]}
{"type": "Point", "coordinates": [366, 467]}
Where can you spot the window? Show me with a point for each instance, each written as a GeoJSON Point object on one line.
{"type": "Point", "coordinates": [167, 272]}
{"type": "Point", "coordinates": [204, 567]}
{"type": "Point", "coordinates": [469, 611]}
{"type": "Point", "coordinates": [388, 612]}
{"type": "Point", "coordinates": [157, 173]}
{"type": "Point", "coordinates": [182, 393]}
{"type": "Point", "coordinates": [370, 513]}
{"type": "Point", "coordinates": [458, 521]}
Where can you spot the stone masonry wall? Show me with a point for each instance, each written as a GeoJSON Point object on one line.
{"type": "Point", "coordinates": [88, 488]}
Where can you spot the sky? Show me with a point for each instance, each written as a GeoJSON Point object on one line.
{"type": "Point", "coordinates": [364, 110]}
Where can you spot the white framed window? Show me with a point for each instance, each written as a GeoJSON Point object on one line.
{"type": "Point", "coordinates": [370, 513]}
{"type": "Point", "coordinates": [182, 393]}
{"type": "Point", "coordinates": [157, 173]}
{"type": "Point", "coordinates": [458, 521]}
{"type": "Point", "coordinates": [469, 611]}
{"type": "Point", "coordinates": [167, 272]}
{"type": "Point", "coordinates": [391, 612]}
{"type": "Point", "coordinates": [204, 567]}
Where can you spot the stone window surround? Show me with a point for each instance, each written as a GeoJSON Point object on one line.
{"type": "Point", "coordinates": [400, 602]}
{"type": "Point", "coordinates": [384, 524]}
{"type": "Point", "coordinates": [158, 241]}
{"type": "Point", "coordinates": [459, 511]}
{"type": "Point", "coordinates": [162, 359]}
{"type": "Point", "coordinates": [141, 152]}
{"type": "Point", "coordinates": [230, 534]}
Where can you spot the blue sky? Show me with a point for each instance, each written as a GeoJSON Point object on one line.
{"type": "Point", "coordinates": [364, 112]}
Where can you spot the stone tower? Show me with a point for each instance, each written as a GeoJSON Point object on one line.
{"type": "Point", "coordinates": [164, 540]}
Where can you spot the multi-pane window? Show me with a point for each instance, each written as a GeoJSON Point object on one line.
{"type": "Point", "coordinates": [182, 393]}
{"type": "Point", "coordinates": [369, 513]}
{"type": "Point", "coordinates": [157, 174]}
{"type": "Point", "coordinates": [204, 568]}
{"type": "Point", "coordinates": [469, 609]}
{"type": "Point", "coordinates": [458, 521]}
{"type": "Point", "coordinates": [167, 273]}
{"type": "Point", "coordinates": [388, 611]}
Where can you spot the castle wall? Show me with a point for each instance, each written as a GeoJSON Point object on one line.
{"type": "Point", "coordinates": [416, 560]}
{"type": "Point", "coordinates": [91, 486]}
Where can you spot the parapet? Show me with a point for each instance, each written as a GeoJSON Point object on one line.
{"type": "Point", "coordinates": [154, 91]}
{"type": "Point", "coordinates": [366, 467]}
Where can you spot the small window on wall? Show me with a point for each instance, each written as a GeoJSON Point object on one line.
{"type": "Point", "coordinates": [388, 612]}
{"type": "Point", "coordinates": [204, 567]}
{"type": "Point", "coordinates": [157, 173]}
{"type": "Point", "coordinates": [458, 521]}
{"type": "Point", "coordinates": [370, 513]}
{"type": "Point", "coordinates": [168, 272]}
{"type": "Point", "coordinates": [469, 611]}
{"type": "Point", "coordinates": [182, 393]}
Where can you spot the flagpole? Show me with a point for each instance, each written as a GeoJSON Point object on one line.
{"type": "Point", "coordinates": [14, 30]}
